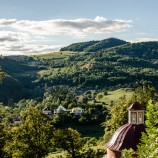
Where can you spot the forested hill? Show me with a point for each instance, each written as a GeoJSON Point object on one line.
{"type": "Point", "coordinates": [93, 46]}
{"type": "Point", "coordinates": [127, 65]}
{"type": "Point", "coordinates": [145, 50]}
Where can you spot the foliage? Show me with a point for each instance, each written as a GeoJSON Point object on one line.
{"type": "Point", "coordinates": [79, 47]}
{"type": "Point", "coordinates": [117, 117]}
{"type": "Point", "coordinates": [149, 142]}
{"type": "Point", "coordinates": [91, 153]}
{"type": "Point", "coordinates": [70, 141]}
{"type": "Point", "coordinates": [93, 46]}
{"type": "Point", "coordinates": [143, 94]}
{"type": "Point", "coordinates": [2, 140]}
{"type": "Point", "coordinates": [32, 137]}
{"type": "Point", "coordinates": [76, 146]}
{"type": "Point", "coordinates": [6, 114]}
{"type": "Point", "coordinates": [60, 119]}
{"type": "Point", "coordinates": [128, 153]}
{"type": "Point", "coordinates": [127, 65]}
{"type": "Point", "coordinates": [2, 76]}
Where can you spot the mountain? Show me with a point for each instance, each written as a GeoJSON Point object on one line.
{"type": "Point", "coordinates": [126, 65]}
{"type": "Point", "coordinates": [147, 50]}
{"type": "Point", "coordinates": [79, 47]}
{"type": "Point", "coordinates": [93, 46]}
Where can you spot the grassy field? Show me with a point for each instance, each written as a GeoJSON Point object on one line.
{"type": "Point", "coordinates": [55, 55]}
{"type": "Point", "coordinates": [116, 95]}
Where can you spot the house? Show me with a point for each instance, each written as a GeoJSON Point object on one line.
{"type": "Point", "coordinates": [47, 111]}
{"type": "Point", "coordinates": [129, 135]}
{"type": "Point", "coordinates": [77, 111]}
{"type": "Point", "coordinates": [59, 109]}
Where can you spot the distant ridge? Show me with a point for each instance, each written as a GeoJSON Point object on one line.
{"type": "Point", "coordinates": [93, 46]}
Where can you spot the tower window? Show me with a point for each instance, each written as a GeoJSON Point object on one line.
{"type": "Point", "coordinates": [134, 117]}
{"type": "Point", "coordinates": [140, 117]}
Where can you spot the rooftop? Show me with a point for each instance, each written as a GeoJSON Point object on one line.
{"type": "Point", "coordinates": [127, 136]}
{"type": "Point", "coordinates": [135, 106]}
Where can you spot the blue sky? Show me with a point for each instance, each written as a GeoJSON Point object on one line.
{"type": "Point", "coordinates": [41, 26]}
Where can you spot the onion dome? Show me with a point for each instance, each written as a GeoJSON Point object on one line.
{"type": "Point", "coordinates": [127, 136]}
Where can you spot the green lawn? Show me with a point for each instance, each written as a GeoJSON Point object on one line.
{"type": "Point", "coordinates": [116, 95]}
{"type": "Point", "coordinates": [56, 55]}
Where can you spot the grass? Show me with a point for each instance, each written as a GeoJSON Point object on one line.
{"type": "Point", "coordinates": [116, 95]}
{"type": "Point", "coordinates": [56, 55]}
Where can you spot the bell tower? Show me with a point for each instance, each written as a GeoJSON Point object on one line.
{"type": "Point", "coordinates": [128, 135]}
{"type": "Point", "coordinates": [136, 114]}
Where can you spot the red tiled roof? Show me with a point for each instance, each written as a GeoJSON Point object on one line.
{"type": "Point", "coordinates": [127, 136]}
{"type": "Point", "coordinates": [135, 106]}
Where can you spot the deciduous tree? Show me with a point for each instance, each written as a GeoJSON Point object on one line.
{"type": "Point", "coordinates": [32, 138]}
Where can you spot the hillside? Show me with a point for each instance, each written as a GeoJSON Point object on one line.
{"type": "Point", "coordinates": [11, 89]}
{"type": "Point", "coordinates": [79, 47]}
{"type": "Point", "coordinates": [93, 46]}
{"type": "Point", "coordinates": [144, 50]}
{"type": "Point", "coordinates": [127, 65]}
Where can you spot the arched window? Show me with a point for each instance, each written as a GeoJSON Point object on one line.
{"type": "Point", "coordinates": [140, 117]}
{"type": "Point", "coordinates": [134, 117]}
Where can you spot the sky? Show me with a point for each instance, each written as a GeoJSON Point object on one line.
{"type": "Point", "coordinates": [43, 26]}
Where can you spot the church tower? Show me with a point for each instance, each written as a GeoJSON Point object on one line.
{"type": "Point", "coordinates": [129, 135]}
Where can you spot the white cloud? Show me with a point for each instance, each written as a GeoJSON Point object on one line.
{"type": "Point", "coordinates": [76, 27]}
{"type": "Point", "coordinates": [143, 40]}
{"type": "Point", "coordinates": [29, 37]}
{"type": "Point", "coordinates": [5, 22]}
{"type": "Point", "coordinates": [8, 48]}
{"type": "Point", "coordinates": [13, 36]}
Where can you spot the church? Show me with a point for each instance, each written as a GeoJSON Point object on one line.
{"type": "Point", "coordinates": [129, 135]}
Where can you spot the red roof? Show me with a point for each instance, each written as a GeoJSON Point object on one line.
{"type": "Point", "coordinates": [126, 137]}
{"type": "Point", "coordinates": [135, 106]}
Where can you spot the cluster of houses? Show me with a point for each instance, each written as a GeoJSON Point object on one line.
{"type": "Point", "coordinates": [74, 111]}
{"type": "Point", "coordinates": [48, 111]}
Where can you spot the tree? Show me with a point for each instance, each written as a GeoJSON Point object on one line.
{"type": "Point", "coordinates": [2, 140]}
{"type": "Point", "coordinates": [117, 117]}
{"type": "Point", "coordinates": [69, 140]}
{"type": "Point", "coordinates": [2, 76]}
{"type": "Point", "coordinates": [148, 148]}
{"type": "Point", "coordinates": [143, 94]}
{"type": "Point", "coordinates": [32, 138]}
{"type": "Point", "coordinates": [149, 142]}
